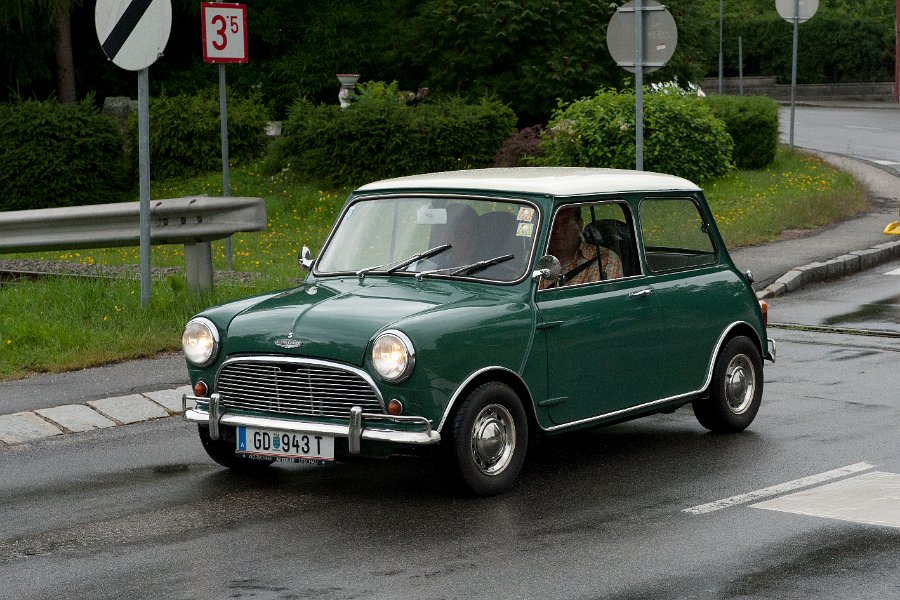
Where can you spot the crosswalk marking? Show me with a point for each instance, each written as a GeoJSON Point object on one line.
{"type": "Point", "coordinates": [778, 489]}
{"type": "Point", "coordinates": [872, 498]}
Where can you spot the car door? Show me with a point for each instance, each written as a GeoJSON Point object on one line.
{"type": "Point", "coordinates": [598, 342]}
{"type": "Point", "coordinates": [692, 291]}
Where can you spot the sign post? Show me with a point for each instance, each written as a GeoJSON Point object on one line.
{"type": "Point", "coordinates": [133, 35]}
{"type": "Point", "coordinates": [796, 12]}
{"type": "Point", "coordinates": [641, 38]}
{"type": "Point", "coordinates": [224, 41]}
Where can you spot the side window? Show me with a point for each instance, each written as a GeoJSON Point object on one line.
{"type": "Point", "coordinates": [675, 235]}
{"type": "Point", "coordinates": [593, 242]}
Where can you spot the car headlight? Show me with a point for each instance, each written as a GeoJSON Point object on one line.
{"type": "Point", "coordinates": [393, 356]}
{"type": "Point", "coordinates": [200, 342]}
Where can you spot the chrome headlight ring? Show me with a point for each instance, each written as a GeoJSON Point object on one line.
{"type": "Point", "coordinates": [200, 342]}
{"type": "Point", "coordinates": [393, 356]}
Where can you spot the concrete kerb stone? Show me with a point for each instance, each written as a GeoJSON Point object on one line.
{"type": "Point", "coordinates": [22, 427]}
{"type": "Point", "coordinates": [841, 266]}
{"type": "Point", "coordinates": [128, 409]}
{"type": "Point", "coordinates": [19, 428]}
{"type": "Point", "coordinates": [75, 417]}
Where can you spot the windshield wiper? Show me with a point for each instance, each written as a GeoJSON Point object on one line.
{"type": "Point", "coordinates": [469, 269]}
{"type": "Point", "coordinates": [396, 266]}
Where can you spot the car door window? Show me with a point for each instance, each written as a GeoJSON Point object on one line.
{"type": "Point", "coordinates": [593, 242]}
{"type": "Point", "coordinates": [675, 235]}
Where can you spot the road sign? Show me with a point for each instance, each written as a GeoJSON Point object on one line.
{"type": "Point", "coordinates": [224, 32]}
{"type": "Point", "coordinates": [133, 33]}
{"type": "Point", "coordinates": [660, 36]}
{"type": "Point", "coordinates": [804, 12]}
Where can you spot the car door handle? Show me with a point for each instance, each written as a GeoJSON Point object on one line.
{"type": "Point", "coordinates": [641, 293]}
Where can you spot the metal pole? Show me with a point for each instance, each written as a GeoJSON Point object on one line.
{"type": "Point", "coordinates": [144, 174]}
{"type": "Point", "coordinates": [741, 63]}
{"type": "Point", "coordinates": [794, 68]}
{"type": "Point", "coordinates": [639, 85]}
{"type": "Point", "coordinates": [721, 59]}
{"type": "Point", "coordinates": [223, 118]}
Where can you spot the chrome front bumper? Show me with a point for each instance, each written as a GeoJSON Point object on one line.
{"type": "Point", "coordinates": [362, 426]}
{"type": "Point", "coordinates": [773, 351]}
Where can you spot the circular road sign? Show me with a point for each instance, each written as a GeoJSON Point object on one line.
{"type": "Point", "coordinates": [133, 33]}
{"type": "Point", "coordinates": [786, 9]}
{"type": "Point", "coordinates": [660, 36]}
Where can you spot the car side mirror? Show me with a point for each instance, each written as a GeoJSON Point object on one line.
{"type": "Point", "coordinates": [548, 268]}
{"type": "Point", "coordinates": [304, 258]}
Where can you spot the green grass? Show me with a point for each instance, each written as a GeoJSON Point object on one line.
{"type": "Point", "coordinates": [796, 191]}
{"type": "Point", "coordinates": [60, 324]}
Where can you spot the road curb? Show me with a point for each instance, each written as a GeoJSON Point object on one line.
{"type": "Point", "coordinates": [840, 266]}
{"type": "Point", "coordinates": [30, 426]}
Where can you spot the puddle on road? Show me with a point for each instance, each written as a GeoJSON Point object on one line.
{"type": "Point", "coordinates": [883, 311]}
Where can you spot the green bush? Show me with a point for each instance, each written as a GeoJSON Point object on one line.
{"type": "Point", "coordinates": [681, 135]}
{"type": "Point", "coordinates": [58, 155]}
{"type": "Point", "coordinates": [752, 122]}
{"type": "Point", "coordinates": [185, 133]}
{"type": "Point", "coordinates": [382, 135]}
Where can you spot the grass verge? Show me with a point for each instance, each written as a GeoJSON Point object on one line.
{"type": "Point", "coordinates": [61, 324]}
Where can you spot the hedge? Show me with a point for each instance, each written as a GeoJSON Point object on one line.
{"type": "Point", "coordinates": [752, 122]}
{"type": "Point", "coordinates": [681, 135]}
{"type": "Point", "coordinates": [185, 133]}
{"type": "Point", "coordinates": [58, 155]}
{"type": "Point", "coordinates": [382, 135]}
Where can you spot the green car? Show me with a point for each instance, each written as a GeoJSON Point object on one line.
{"type": "Point", "coordinates": [470, 312]}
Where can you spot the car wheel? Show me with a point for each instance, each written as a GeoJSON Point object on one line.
{"type": "Point", "coordinates": [222, 451]}
{"type": "Point", "coordinates": [735, 391]}
{"type": "Point", "coordinates": [488, 437]}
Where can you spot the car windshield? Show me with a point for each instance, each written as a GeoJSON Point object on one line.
{"type": "Point", "coordinates": [440, 237]}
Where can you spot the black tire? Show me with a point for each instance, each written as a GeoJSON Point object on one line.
{"type": "Point", "coordinates": [735, 391]}
{"type": "Point", "coordinates": [485, 445]}
{"type": "Point", "coordinates": [222, 451]}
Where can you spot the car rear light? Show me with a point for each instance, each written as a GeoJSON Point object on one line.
{"type": "Point", "coordinates": [764, 306]}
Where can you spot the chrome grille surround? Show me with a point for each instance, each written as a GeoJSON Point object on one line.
{"type": "Point", "coordinates": [296, 387]}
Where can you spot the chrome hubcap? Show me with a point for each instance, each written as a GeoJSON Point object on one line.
{"type": "Point", "coordinates": [493, 439]}
{"type": "Point", "coordinates": [740, 384]}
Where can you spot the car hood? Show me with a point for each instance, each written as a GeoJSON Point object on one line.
{"type": "Point", "coordinates": [333, 320]}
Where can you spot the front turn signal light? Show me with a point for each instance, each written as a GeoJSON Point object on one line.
{"type": "Point", "coordinates": [764, 306]}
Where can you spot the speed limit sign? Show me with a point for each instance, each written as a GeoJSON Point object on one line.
{"type": "Point", "coordinates": [224, 32]}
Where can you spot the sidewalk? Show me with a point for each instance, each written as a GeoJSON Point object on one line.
{"type": "Point", "coordinates": [134, 391]}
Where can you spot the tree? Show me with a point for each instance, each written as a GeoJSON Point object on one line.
{"type": "Point", "coordinates": [25, 14]}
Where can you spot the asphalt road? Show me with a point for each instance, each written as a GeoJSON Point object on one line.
{"type": "Point", "coordinates": [863, 132]}
{"type": "Point", "coordinates": [139, 511]}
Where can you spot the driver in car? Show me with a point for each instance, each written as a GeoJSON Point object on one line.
{"type": "Point", "coordinates": [578, 258]}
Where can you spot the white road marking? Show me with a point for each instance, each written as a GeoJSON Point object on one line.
{"type": "Point", "coordinates": [894, 272]}
{"type": "Point", "coordinates": [778, 489]}
{"type": "Point", "coordinates": [872, 498]}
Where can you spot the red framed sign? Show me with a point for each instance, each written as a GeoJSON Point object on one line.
{"type": "Point", "coordinates": [224, 32]}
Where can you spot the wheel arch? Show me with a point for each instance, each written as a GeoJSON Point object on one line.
{"type": "Point", "coordinates": [738, 329]}
{"type": "Point", "coordinates": [487, 375]}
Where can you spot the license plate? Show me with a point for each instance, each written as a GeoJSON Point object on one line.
{"type": "Point", "coordinates": [284, 446]}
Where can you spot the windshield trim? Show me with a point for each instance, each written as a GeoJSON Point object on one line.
{"type": "Point", "coordinates": [355, 198]}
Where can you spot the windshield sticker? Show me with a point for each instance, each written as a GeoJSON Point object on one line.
{"type": "Point", "coordinates": [526, 214]}
{"type": "Point", "coordinates": [431, 216]}
{"type": "Point", "coordinates": [525, 230]}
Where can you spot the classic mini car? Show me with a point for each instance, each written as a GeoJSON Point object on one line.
{"type": "Point", "coordinates": [469, 312]}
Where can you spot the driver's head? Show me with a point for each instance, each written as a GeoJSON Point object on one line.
{"type": "Point", "coordinates": [565, 238]}
{"type": "Point", "coordinates": [463, 232]}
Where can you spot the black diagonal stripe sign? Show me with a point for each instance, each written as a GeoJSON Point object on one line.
{"type": "Point", "coordinates": [124, 27]}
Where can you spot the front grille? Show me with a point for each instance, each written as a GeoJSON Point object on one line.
{"type": "Point", "coordinates": [297, 388]}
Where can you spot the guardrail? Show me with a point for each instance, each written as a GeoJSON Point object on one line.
{"type": "Point", "coordinates": [193, 221]}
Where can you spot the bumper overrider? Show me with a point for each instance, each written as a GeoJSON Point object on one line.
{"type": "Point", "coordinates": [361, 426]}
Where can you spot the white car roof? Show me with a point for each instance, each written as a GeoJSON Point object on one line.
{"type": "Point", "coordinates": [556, 181]}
